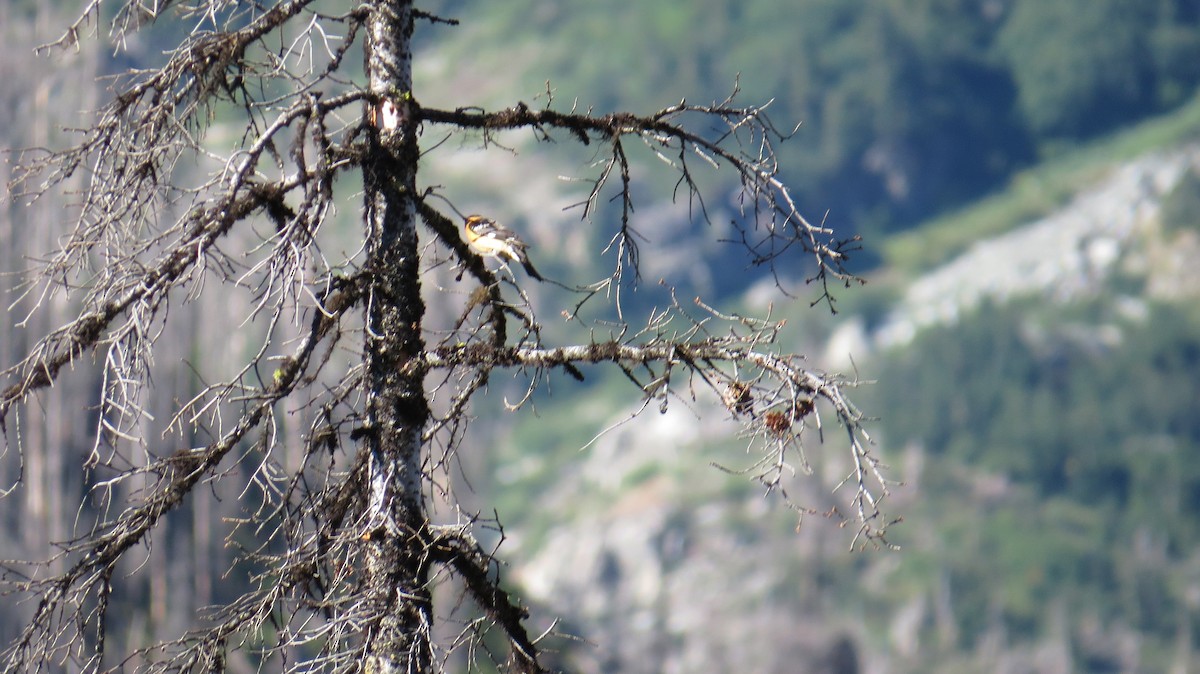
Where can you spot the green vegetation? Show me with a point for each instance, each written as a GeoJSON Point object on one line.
{"type": "Point", "coordinates": [1181, 208]}
{"type": "Point", "coordinates": [908, 109]}
{"type": "Point", "coordinates": [1096, 445]}
{"type": "Point", "coordinates": [1037, 191]}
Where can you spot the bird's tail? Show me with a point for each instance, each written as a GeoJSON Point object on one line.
{"type": "Point", "coordinates": [529, 268]}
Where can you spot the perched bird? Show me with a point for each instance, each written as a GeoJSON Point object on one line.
{"type": "Point", "coordinates": [489, 238]}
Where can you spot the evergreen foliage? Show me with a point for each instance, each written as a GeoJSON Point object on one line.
{"type": "Point", "coordinates": [1089, 420]}
{"type": "Point", "coordinates": [907, 108]}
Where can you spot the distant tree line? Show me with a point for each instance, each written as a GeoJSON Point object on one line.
{"type": "Point", "coordinates": [908, 107]}
{"type": "Point", "coordinates": [1084, 424]}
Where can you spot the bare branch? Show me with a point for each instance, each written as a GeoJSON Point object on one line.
{"type": "Point", "coordinates": [747, 145]}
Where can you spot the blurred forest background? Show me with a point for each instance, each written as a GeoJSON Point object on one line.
{"type": "Point", "coordinates": [1026, 177]}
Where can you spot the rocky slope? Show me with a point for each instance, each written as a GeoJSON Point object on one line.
{"type": "Point", "coordinates": [1109, 228]}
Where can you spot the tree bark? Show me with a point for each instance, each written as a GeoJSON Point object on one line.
{"type": "Point", "coordinates": [396, 405]}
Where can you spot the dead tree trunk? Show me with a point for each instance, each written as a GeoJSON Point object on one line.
{"type": "Point", "coordinates": [397, 409]}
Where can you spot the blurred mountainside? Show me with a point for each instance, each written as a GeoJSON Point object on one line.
{"type": "Point", "coordinates": [1036, 395]}
{"type": "Point", "coordinates": [906, 109]}
{"type": "Point", "coordinates": [1025, 176]}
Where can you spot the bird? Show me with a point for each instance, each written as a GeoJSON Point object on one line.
{"type": "Point", "coordinates": [489, 238]}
